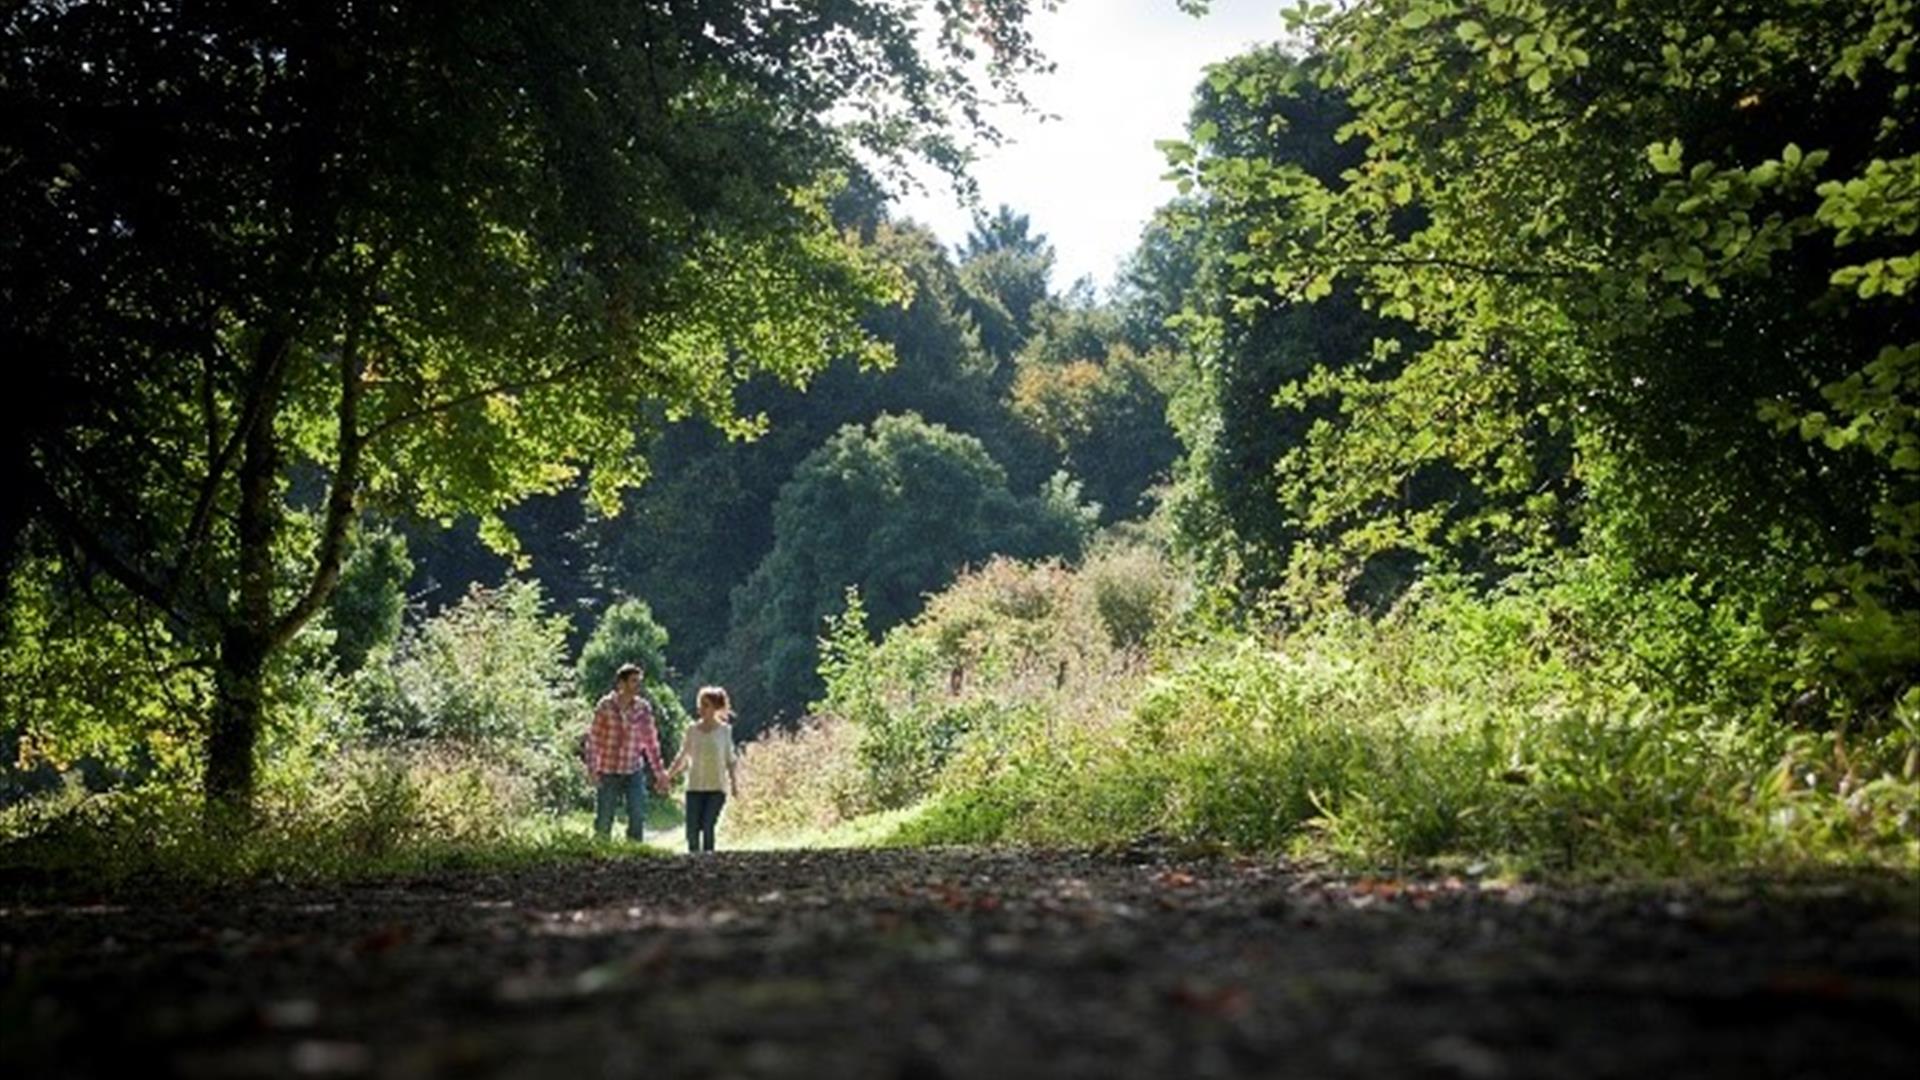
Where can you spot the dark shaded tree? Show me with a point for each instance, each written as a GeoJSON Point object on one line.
{"type": "Point", "coordinates": [433, 256]}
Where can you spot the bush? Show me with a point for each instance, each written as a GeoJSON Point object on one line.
{"type": "Point", "coordinates": [1133, 593]}
{"type": "Point", "coordinates": [999, 668]}
{"type": "Point", "coordinates": [628, 634]}
{"type": "Point", "coordinates": [798, 783]}
{"type": "Point", "coordinates": [488, 679]}
{"type": "Point", "coordinates": [93, 686]}
{"type": "Point", "coordinates": [375, 811]}
{"type": "Point", "coordinates": [365, 611]}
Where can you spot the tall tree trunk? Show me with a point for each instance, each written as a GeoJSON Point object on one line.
{"type": "Point", "coordinates": [239, 709]}
{"type": "Point", "coordinates": [247, 641]}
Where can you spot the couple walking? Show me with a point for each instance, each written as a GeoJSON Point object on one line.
{"type": "Point", "coordinates": [623, 755]}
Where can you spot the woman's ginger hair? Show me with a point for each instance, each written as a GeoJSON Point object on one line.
{"type": "Point", "coordinates": [717, 697]}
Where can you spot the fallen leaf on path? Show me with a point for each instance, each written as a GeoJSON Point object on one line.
{"type": "Point", "coordinates": [383, 939]}
{"type": "Point", "coordinates": [1210, 1000]}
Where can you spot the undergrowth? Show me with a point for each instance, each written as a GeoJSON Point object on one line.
{"type": "Point", "coordinates": [381, 814]}
{"type": "Point", "coordinates": [1513, 728]}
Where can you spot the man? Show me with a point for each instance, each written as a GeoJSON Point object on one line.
{"type": "Point", "coordinates": [623, 752]}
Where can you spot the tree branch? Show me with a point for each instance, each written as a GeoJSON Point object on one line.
{"type": "Point", "coordinates": [96, 548]}
{"type": "Point", "coordinates": [210, 405]}
{"type": "Point", "coordinates": [274, 349]}
{"type": "Point", "coordinates": [342, 494]}
{"type": "Point", "coordinates": [562, 374]}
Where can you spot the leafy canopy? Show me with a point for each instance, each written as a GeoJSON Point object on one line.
{"type": "Point", "coordinates": [896, 509]}
{"type": "Point", "coordinates": [1653, 260]}
{"type": "Point", "coordinates": [421, 259]}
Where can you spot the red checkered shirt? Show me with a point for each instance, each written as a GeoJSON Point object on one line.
{"type": "Point", "coordinates": [621, 740]}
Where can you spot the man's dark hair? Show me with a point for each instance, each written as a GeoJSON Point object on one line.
{"type": "Point", "coordinates": [625, 670]}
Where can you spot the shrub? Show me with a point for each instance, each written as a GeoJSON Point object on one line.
{"type": "Point", "coordinates": [487, 678]}
{"type": "Point", "coordinates": [1008, 654]}
{"type": "Point", "coordinates": [375, 811]}
{"type": "Point", "coordinates": [365, 611]}
{"type": "Point", "coordinates": [628, 634]}
{"type": "Point", "coordinates": [93, 686]}
{"type": "Point", "coordinates": [798, 782]}
{"type": "Point", "coordinates": [1132, 591]}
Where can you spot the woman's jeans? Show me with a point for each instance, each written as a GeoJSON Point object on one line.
{"type": "Point", "coordinates": [614, 789]}
{"type": "Point", "coordinates": [703, 814]}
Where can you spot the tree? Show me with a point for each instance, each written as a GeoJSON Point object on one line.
{"type": "Point", "coordinates": [1669, 243]}
{"type": "Point", "coordinates": [1099, 406]}
{"type": "Point", "coordinates": [704, 520]}
{"type": "Point", "coordinates": [1243, 343]}
{"type": "Point", "coordinates": [367, 606]}
{"type": "Point", "coordinates": [1006, 267]}
{"type": "Point", "coordinates": [1151, 290]}
{"type": "Point", "coordinates": [433, 257]}
{"type": "Point", "coordinates": [895, 509]}
{"type": "Point", "coordinates": [628, 634]}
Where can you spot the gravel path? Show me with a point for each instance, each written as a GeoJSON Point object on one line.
{"type": "Point", "coordinates": [927, 964]}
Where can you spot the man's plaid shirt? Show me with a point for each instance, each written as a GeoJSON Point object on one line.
{"type": "Point", "coordinates": [621, 740]}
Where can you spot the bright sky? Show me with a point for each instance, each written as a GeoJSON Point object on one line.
{"type": "Point", "coordinates": [1089, 180]}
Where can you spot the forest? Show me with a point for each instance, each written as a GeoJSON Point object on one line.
{"type": "Point", "coordinates": [1502, 450]}
{"type": "Point", "coordinates": [1448, 606]}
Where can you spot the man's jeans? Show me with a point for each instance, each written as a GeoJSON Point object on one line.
{"type": "Point", "coordinates": [613, 789]}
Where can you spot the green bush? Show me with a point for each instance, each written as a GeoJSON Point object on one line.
{"type": "Point", "coordinates": [1012, 655]}
{"type": "Point", "coordinates": [366, 610]}
{"type": "Point", "coordinates": [628, 634]}
{"type": "Point", "coordinates": [487, 678]}
{"type": "Point", "coordinates": [93, 686]}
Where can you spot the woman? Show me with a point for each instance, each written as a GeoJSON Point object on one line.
{"type": "Point", "coordinates": [708, 758]}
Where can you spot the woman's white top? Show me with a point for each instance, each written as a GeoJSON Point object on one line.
{"type": "Point", "coordinates": [708, 755]}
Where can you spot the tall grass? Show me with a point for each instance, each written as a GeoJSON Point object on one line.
{"type": "Point", "coordinates": [379, 813]}
{"type": "Point", "coordinates": [1571, 721]}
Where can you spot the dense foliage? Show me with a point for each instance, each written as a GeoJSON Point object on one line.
{"type": "Point", "coordinates": [895, 509]}
{"type": "Point", "coordinates": [1650, 260]}
{"type": "Point", "coordinates": [434, 259]}
{"type": "Point", "coordinates": [1502, 449]}
{"type": "Point", "coordinates": [1000, 670]}
{"type": "Point", "coordinates": [1550, 464]}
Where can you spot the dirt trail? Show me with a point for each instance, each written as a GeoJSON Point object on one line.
{"type": "Point", "coordinates": [937, 964]}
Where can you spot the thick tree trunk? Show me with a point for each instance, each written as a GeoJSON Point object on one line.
{"type": "Point", "coordinates": [247, 641]}
{"type": "Point", "coordinates": [239, 708]}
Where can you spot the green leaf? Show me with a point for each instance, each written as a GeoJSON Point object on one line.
{"type": "Point", "coordinates": [1666, 157]}
{"type": "Point", "coordinates": [1177, 152]}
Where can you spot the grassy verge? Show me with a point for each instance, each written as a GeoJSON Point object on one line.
{"type": "Point", "coordinates": [1569, 725]}
{"type": "Point", "coordinates": [881, 828]}
{"type": "Point", "coordinates": [72, 840]}
{"type": "Point", "coordinates": [1332, 754]}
